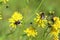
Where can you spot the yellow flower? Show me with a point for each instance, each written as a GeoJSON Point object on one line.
{"type": "Point", "coordinates": [54, 32]}
{"type": "Point", "coordinates": [17, 16]}
{"type": "Point", "coordinates": [41, 22]}
{"type": "Point", "coordinates": [30, 32]}
{"type": "Point", "coordinates": [15, 19]}
{"type": "Point", "coordinates": [12, 25]}
{"type": "Point", "coordinates": [55, 28]}
{"type": "Point", "coordinates": [56, 24]}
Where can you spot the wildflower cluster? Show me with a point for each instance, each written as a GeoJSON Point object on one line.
{"type": "Point", "coordinates": [41, 20]}
{"type": "Point", "coordinates": [54, 23]}
{"type": "Point", "coordinates": [55, 27]}
{"type": "Point", "coordinates": [42, 26]}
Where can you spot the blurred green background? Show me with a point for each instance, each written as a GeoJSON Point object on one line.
{"type": "Point", "coordinates": [28, 9]}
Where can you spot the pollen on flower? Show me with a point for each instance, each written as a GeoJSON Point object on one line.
{"type": "Point", "coordinates": [15, 19]}
{"type": "Point", "coordinates": [30, 32]}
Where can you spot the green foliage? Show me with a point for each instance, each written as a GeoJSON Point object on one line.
{"type": "Point", "coordinates": [28, 8]}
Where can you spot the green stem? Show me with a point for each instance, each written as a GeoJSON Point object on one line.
{"type": "Point", "coordinates": [36, 9]}
{"type": "Point", "coordinates": [44, 33]}
{"type": "Point", "coordinates": [39, 6]}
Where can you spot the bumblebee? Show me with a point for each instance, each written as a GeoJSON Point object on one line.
{"type": "Point", "coordinates": [17, 22]}
{"type": "Point", "coordinates": [42, 15]}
